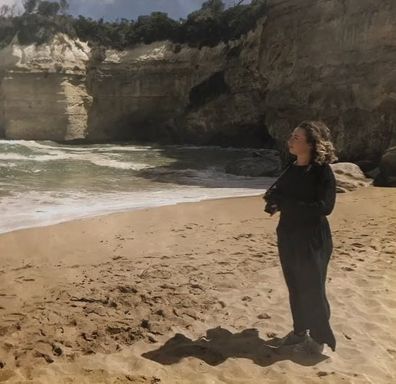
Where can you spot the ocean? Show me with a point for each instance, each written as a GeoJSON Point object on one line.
{"type": "Point", "coordinates": [43, 183]}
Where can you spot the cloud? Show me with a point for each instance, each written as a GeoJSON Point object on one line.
{"type": "Point", "coordinates": [17, 3]}
{"type": "Point", "coordinates": [7, 2]}
{"type": "Point", "coordinates": [10, 2]}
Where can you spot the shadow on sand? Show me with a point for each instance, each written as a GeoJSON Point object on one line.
{"type": "Point", "coordinates": [219, 344]}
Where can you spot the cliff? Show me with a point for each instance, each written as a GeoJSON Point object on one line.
{"type": "Point", "coordinates": [43, 95]}
{"type": "Point", "coordinates": [331, 60]}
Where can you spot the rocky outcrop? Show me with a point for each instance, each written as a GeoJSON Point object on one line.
{"type": "Point", "coordinates": [349, 177]}
{"type": "Point", "coordinates": [43, 94]}
{"type": "Point", "coordinates": [180, 94]}
{"type": "Point", "coordinates": [139, 92]}
{"type": "Point", "coordinates": [237, 115]}
{"type": "Point", "coordinates": [387, 169]}
{"type": "Point", "coordinates": [258, 163]}
{"type": "Point", "coordinates": [333, 60]}
{"type": "Point", "coordinates": [309, 59]}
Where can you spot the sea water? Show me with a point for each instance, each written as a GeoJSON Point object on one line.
{"type": "Point", "coordinates": [43, 182]}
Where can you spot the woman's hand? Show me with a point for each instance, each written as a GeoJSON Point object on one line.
{"type": "Point", "coordinates": [271, 208]}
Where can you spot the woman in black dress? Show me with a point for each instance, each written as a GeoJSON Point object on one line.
{"type": "Point", "coordinates": [305, 194]}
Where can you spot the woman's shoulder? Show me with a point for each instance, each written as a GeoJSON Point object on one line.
{"type": "Point", "coordinates": [325, 167]}
{"type": "Point", "coordinates": [324, 171]}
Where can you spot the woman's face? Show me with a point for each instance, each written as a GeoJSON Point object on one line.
{"type": "Point", "coordinates": [298, 144]}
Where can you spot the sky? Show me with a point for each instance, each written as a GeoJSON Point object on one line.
{"type": "Point", "coordinates": [130, 9]}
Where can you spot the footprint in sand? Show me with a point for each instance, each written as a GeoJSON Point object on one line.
{"type": "Point", "coordinates": [391, 351]}
{"type": "Point", "coordinates": [348, 269]}
{"type": "Point", "coordinates": [5, 375]}
{"type": "Point", "coordinates": [357, 245]}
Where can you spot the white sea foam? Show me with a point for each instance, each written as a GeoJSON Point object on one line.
{"type": "Point", "coordinates": [35, 191]}
{"type": "Point", "coordinates": [36, 209]}
{"type": "Point", "coordinates": [105, 162]}
{"type": "Point", "coordinates": [55, 155]}
{"type": "Point", "coordinates": [50, 146]}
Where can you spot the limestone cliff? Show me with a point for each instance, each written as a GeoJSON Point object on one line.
{"type": "Point", "coordinates": [137, 92]}
{"type": "Point", "coordinates": [323, 59]}
{"type": "Point", "coordinates": [333, 60]}
{"type": "Point", "coordinates": [42, 91]}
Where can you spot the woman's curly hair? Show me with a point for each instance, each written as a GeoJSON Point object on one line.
{"type": "Point", "coordinates": [318, 134]}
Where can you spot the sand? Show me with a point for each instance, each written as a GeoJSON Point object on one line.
{"type": "Point", "coordinates": [193, 293]}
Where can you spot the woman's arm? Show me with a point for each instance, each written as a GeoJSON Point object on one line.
{"type": "Point", "coordinates": [272, 201]}
{"type": "Point", "coordinates": [274, 193]}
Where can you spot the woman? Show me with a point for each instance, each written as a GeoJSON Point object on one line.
{"type": "Point", "coordinates": [305, 195]}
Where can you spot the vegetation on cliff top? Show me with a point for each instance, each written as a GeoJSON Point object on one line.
{"type": "Point", "coordinates": [207, 26]}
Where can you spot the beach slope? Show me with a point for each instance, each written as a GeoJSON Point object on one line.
{"type": "Point", "coordinates": [193, 293]}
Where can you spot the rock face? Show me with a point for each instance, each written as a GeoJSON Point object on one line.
{"type": "Point", "coordinates": [387, 168]}
{"type": "Point", "coordinates": [309, 59]}
{"type": "Point", "coordinates": [179, 94]}
{"type": "Point", "coordinates": [139, 92]}
{"type": "Point", "coordinates": [42, 90]}
{"type": "Point", "coordinates": [260, 163]}
{"type": "Point", "coordinates": [333, 60]}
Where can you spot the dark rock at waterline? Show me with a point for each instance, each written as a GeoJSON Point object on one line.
{"type": "Point", "coordinates": [387, 168]}
{"type": "Point", "coordinates": [373, 173]}
{"type": "Point", "coordinates": [258, 163]}
{"type": "Point", "coordinates": [367, 165]}
{"type": "Point", "coordinates": [369, 168]}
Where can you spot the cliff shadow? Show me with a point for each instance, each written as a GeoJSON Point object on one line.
{"type": "Point", "coordinates": [219, 344]}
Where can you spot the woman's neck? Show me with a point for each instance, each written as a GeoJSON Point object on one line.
{"type": "Point", "coordinates": [303, 160]}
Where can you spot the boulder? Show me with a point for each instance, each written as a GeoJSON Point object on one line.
{"type": "Point", "coordinates": [387, 168]}
{"type": "Point", "coordinates": [349, 177]}
{"type": "Point", "coordinates": [259, 163]}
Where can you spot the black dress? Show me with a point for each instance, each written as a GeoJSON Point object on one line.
{"type": "Point", "coordinates": [305, 195]}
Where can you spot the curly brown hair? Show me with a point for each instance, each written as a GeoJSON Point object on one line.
{"type": "Point", "coordinates": [318, 134]}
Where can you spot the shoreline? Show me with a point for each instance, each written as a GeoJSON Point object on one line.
{"type": "Point", "coordinates": [124, 210]}
{"type": "Point", "coordinates": [191, 293]}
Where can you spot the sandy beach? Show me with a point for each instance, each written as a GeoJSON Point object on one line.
{"type": "Point", "coordinates": [193, 293]}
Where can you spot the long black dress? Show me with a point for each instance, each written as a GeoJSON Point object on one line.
{"type": "Point", "coordinates": [305, 195]}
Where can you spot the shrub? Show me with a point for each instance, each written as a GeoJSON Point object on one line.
{"type": "Point", "coordinates": [207, 26]}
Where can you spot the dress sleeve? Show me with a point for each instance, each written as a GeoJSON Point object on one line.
{"type": "Point", "coordinates": [275, 196]}
{"type": "Point", "coordinates": [326, 197]}
{"type": "Point", "coordinates": [276, 193]}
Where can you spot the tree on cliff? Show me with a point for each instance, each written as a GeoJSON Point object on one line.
{"type": "Point", "coordinates": [213, 23]}
{"type": "Point", "coordinates": [209, 9]}
{"type": "Point", "coordinates": [45, 8]}
{"type": "Point", "coordinates": [203, 27]}
{"type": "Point", "coordinates": [64, 6]}
{"type": "Point", "coordinates": [118, 34]}
{"type": "Point", "coordinates": [48, 8]}
{"type": "Point", "coordinates": [207, 26]}
{"type": "Point", "coordinates": [41, 21]}
{"type": "Point", "coordinates": [7, 28]}
{"type": "Point", "coordinates": [30, 6]}
{"type": "Point", "coordinates": [155, 27]}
